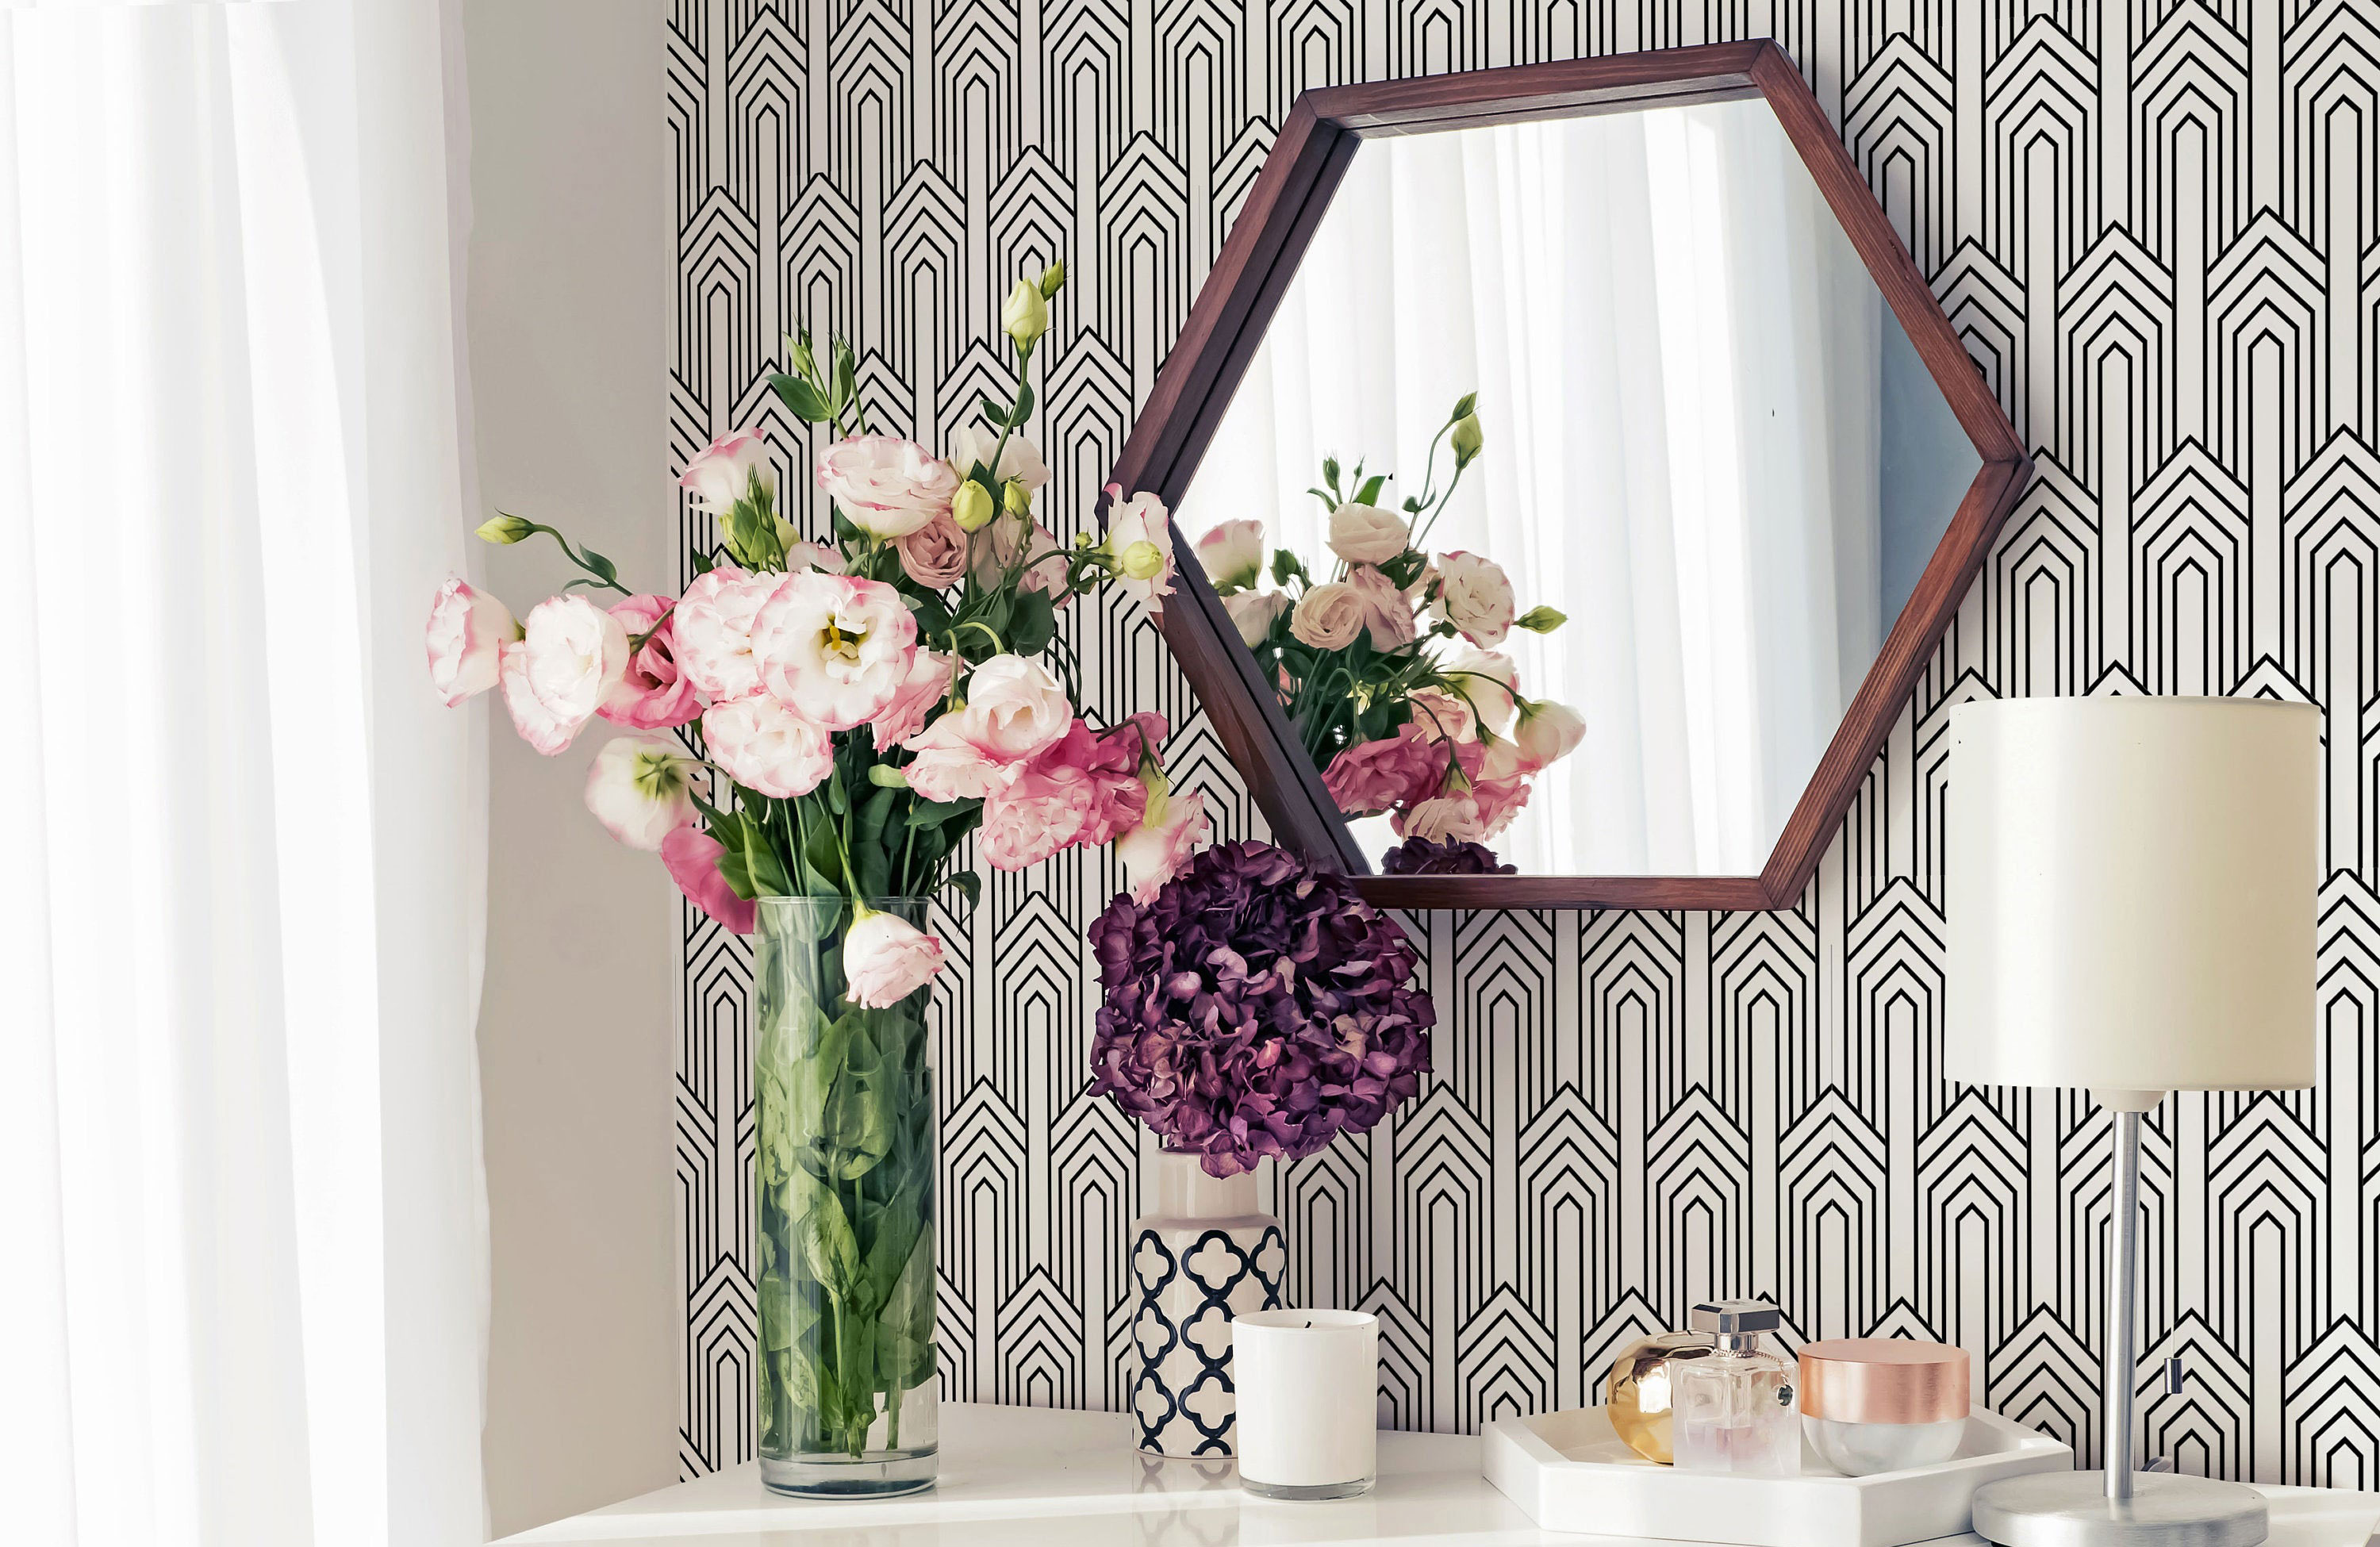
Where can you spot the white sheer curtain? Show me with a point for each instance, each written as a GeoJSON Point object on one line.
{"type": "Point", "coordinates": [1677, 360]}
{"type": "Point", "coordinates": [244, 1283]}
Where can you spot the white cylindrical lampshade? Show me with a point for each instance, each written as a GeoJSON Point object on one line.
{"type": "Point", "coordinates": [2131, 891]}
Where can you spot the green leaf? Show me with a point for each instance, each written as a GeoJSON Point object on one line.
{"type": "Point", "coordinates": [1370, 493]}
{"type": "Point", "coordinates": [1032, 622]}
{"type": "Point", "coordinates": [969, 883]}
{"type": "Point", "coordinates": [994, 410]}
{"type": "Point", "coordinates": [931, 814]}
{"type": "Point", "coordinates": [846, 374]}
{"type": "Point", "coordinates": [826, 1241]}
{"type": "Point", "coordinates": [800, 398]}
{"type": "Point", "coordinates": [1024, 406]}
{"type": "Point", "coordinates": [762, 869]}
{"type": "Point", "coordinates": [836, 800]}
{"type": "Point", "coordinates": [886, 776]}
{"type": "Point", "coordinates": [704, 562]}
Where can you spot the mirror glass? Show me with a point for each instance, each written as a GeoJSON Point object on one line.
{"type": "Point", "coordinates": [1709, 469]}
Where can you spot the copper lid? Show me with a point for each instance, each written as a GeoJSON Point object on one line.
{"type": "Point", "coordinates": [1884, 1380]}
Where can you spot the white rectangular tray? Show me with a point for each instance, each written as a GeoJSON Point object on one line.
{"type": "Point", "coordinates": [1570, 1472]}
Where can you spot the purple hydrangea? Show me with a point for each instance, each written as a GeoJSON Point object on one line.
{"type": "Point", "coordinates": [1420, 856]}
{"type": "Point", "coordinates": [1255, 1006]}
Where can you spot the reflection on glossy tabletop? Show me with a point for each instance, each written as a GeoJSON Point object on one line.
{"type": "Point", "coordinates": [1038, 1477]}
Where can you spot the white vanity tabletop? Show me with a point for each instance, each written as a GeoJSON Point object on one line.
{"type": "Point", "coordinates": [1037, 1477]}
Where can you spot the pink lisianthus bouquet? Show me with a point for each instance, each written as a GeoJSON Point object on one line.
{"type": "Point", "coordinates": [849, 708]}
{"type": "Point", "coordinates": [1389, 668]}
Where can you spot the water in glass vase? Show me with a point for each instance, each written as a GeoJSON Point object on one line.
{"type": "Point", "coordinates": [846, 1171]}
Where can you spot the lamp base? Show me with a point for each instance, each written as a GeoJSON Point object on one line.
{"type": "Point", "coordinates": [2070, 1509]}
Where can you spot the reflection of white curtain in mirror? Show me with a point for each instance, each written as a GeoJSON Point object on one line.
{"type": "Point", "coordinates": [1676, 354]}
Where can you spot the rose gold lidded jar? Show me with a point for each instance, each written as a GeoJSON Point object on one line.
{"type": "Point", "coordinates": [1880, 1404]}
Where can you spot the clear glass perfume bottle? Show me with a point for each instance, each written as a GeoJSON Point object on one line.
{"type": "Point", "coordinates": [1733, 1407]}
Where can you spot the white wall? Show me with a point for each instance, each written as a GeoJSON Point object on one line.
{"type": "Point", "coordinates": [567, 283]}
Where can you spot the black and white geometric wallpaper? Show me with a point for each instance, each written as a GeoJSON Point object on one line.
{"type": "Point", "coordinates": [2157, 225]}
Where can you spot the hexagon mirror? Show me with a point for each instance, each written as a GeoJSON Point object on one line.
{"type": "Point", "coordinates": [1579, 472]}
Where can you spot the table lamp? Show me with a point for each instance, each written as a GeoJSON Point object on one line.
{"type": "Point", "coordinates": [2131, 911]}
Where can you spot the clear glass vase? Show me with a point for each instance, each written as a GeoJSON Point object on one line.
{"type": "Point", "coordinates": [846, 1171]}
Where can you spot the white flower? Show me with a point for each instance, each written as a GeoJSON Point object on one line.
{"type": "Point", "coordinates": [1019, 461]}
{"type": "Point", "coordinates": [468, 630]}
{"type": "Point", "coordinates": [766, 747]}
{"type": "Point", "coordinates": [1486, 678]}
{"type": "Point", "coordinates": [640, 788]}
{"type": "Point", "coordinates": [885, 959]}
{"type": "Point", "coordinates": [1475, 596]}
{"type": "Point", "coordinates": [577, 654]}
{"type": "Point", "coordinates": [1367, 534]}
{"type": "Point", "coordinates": [1388, 611]}
{"type": "Point", "coordinates": [888, 487]}
{"type": "Point", "coordinates": [537, 725]}
{"type": "Point", "coordinates": [834, 648]}
{"type": "Point", "coordinates": [812, 555]}
{"type": "Point", "coordinates": [1547, 731]}
{"type": "Point", "coordinates": [1140, 542]}
{"type": "Point", "coordinates": [1327, 616]}
{"type": "Point", "coordinates": [1025, 316]}
{"type": "Point", "coordinates": [711, 632]}
{"type": "Point", "coordinates": [1233, 554]}
{"type": "Point", "coordinates": [1254, 612]}
{"type": "Point", "coordinates": [720, 473]}
{"type": "Point", "coordinates": [1015, 709]}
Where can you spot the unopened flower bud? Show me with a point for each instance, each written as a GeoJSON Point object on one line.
{"type": "Point", "coordinates": [507, 529]}
{"type": "Point", "coordinates": [1015, 498]}
{"type": "Point", "coordinates": [971, 507]}
{"type": "Point", "coordinates": [1053, 279]}
{"type": "Point", "coordinates": [797, 350]}
{"type": "Point", "coordinates": [1026, 316]}
{"type": "Point", "coordinates": [1467, 439]}
{"type": "Point", "coordinates": [1140, 561]}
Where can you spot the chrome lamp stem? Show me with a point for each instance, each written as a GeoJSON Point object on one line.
{"type": "Point", "coordinates": [2123, 1280]}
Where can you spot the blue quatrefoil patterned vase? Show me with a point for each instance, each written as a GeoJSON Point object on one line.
{"type": "Point", "coordinates": [1205, 1254]}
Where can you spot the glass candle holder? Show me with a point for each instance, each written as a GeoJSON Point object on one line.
{"type": "Point", "coordinates": [1307, 1386]}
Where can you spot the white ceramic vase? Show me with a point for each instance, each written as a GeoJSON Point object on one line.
{"type": "Point", "coordinates": [1204, 1253]}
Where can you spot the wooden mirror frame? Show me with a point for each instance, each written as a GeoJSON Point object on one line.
{"type": "Point", "coordinates": [1236, 305]}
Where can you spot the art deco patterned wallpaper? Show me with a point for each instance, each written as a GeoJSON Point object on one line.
{"type": "Point", "coordinates": [2157, 225]}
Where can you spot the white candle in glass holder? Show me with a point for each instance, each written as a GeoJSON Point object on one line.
{"type": "Point", "coordinates": [1306, 1383]}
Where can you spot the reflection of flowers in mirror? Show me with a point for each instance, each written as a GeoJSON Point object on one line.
{"type": "Point", "coordinates": [1388, 664]}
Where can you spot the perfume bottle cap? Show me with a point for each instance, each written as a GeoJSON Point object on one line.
{"type": "Point", "coordinates": [1884, 1380]}
{"type": "Point", "coordinates": [1735, 1317]}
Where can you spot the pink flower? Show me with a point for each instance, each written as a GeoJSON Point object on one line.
{"type": "Point", "coordinates": [766, 747]}
{"type": "Point", "coordinates": [1373, 777]}
{"type": "Point", "coordinates": [935, 555]}
{"type": "Point", "coordinates": [468, 632]}
{"type": "Point", "coordinates": [812, 555]}
{"type": "Point", "coordinates": [1111, 764]}
{"type": "Point", "coordinates": [537, 725]}
{"type": "Point", "coordinates": [1442, 716]}
{"type": "Point", "coordinates": [1140, 546]}
{"type": "Point", "coordinates": [576, 653]}
{"type": "Point", "coordinates": [1547, 731]}
{"type": "Point", "coordinates": [654, 694]}
{"type": "Point", "coordinates": [1475, 596]}
{"type": "Point", "coordinates": [888, 487]}
{"type": "Point", "coordinates": [1013, 541]}
{"type": "Point", "coordinates": [1153, 855]}
{"type": "Point", "coordinates": [1034, 816]}
{"type": "Point", "coordinates": [1473, 815]}
{"type": "Point", "coordinates": [711, 632]}
{"type": "Point", "coordinates": [692, 857]}
{"type": "Point", "coordinates": [927, 684]}
{"type": "Point", "coordinates": [950, 767]}
{"type": "Point", "coordinates": [1015, 709]}
{"type": "Point", "coordinates": [886, 960]}
{"type": "Point", "coordinates": [834, 648]}
{"type": "Point", "coordinates": [721, 474]}
{"type": "Point", "coordinates": [1498, 801]}
{"type": "Point", "coordinates": [640, 788]}
{"type": "Point", "coordinates": [1252, 613]}
{"type": "Point", "coordinates": [1387, 613]}
{"type": "Point", "coordinates": [1233, 554]}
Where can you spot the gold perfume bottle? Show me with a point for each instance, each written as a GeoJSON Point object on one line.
{"type": "Point", "coordinates": [1639, 1396]}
